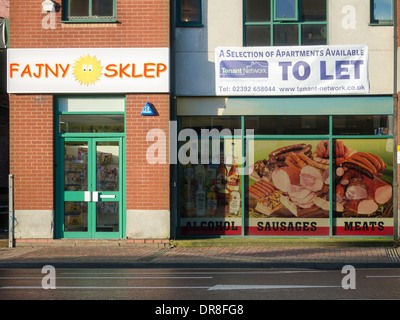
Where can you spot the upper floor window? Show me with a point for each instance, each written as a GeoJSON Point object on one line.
{"type": "Point", "coordinates": [188, 13]}
{"type": "Point", "coordinates": [285, 22]}
{"type": "Point", "coordinates": [89, 10]}
{"type": "Point", "coordinates": [381, 11]}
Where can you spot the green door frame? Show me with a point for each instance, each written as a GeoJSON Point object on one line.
{"type": "Point", "coordinates": [79, 196]}
{"type": "Point", "coordinates": [59, 148]}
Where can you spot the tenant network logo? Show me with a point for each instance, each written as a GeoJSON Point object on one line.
{"type": "Point", "coordinates": [243, 69]}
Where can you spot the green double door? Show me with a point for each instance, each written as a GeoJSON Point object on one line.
{"type": "Point", "coordinates": [90, 188]}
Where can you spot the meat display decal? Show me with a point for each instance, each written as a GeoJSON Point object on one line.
{"type": "Point", "coordinates": [293, 181]}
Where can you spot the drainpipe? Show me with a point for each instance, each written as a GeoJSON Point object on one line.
{"type": "Point", "coordinates": [395, 125]}
{"type": "Point", "coordinates": [10, 211]}
{"type": "Point", "coordinates": [173, 119]}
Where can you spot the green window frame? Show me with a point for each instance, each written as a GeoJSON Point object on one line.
{"type": "Point", "coordinates": [264, 27]}
{"type": "Point", "coordinates": [329, 135]}
{"type": "Point", "coordinates": [188, 13]}
{"type": "Point", "coordinates": [379, 12]}
{"type": "Point", "coordinates": [91, 16]}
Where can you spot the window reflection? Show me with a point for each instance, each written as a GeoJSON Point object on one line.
{"type": "Point", "coordinates": [286, 9]}
{"type": "Point", "coordinates": [382, 10]}
{"type": "Point", "coordinates": [70, 123]}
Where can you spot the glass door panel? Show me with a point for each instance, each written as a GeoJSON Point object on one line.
{"type": "Point", "coordinates": [107, 216]}
{"type": "Point", "coordinates": [76, 166]}
{"type": "Point", "coordinates": [108, 186]}
{"type": "Point", "coordinates": [91, 188]}
{"type": "Point", "coordinates": [107, 166]}
{"type": "Point", "coordinates": [75, 216]}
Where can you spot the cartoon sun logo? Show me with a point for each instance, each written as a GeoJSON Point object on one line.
{"type": "Point", "coordinates": [87, 70]}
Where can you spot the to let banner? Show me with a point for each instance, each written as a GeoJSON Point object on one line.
{"type": "Point", "coordinates": [301, 70]}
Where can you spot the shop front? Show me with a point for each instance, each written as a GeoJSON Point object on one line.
{"type": "Point", "coordinates": [314, 163]}
{"type": "Point", "coordinates": [99, 131]}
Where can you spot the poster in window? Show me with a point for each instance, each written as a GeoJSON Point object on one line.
{"type": "Point", "coordinates": [364, 187]}
{"type": "Point", "coordinates": [288, 191]}
{"type": "Point", "coordinates": [211, 193]}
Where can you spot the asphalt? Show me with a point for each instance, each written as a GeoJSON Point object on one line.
{"type": "Point", "coordinates": [206, 253]}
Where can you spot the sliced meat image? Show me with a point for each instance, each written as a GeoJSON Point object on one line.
{"type": "Point", "coordinates": [284, 177]}
{"type": "Point", "coordinates": [311, 178]}
{"type": "Point", "coordinates": [356, 189]}
{"type": "Point", "coordinates": [301, 196]}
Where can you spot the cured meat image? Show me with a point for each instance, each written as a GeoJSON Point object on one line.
{"type": "Point", "coordinates": [378, 190]}
{"type": "Point", "coordinates": [294, 181]}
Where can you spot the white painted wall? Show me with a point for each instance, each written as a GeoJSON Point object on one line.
{"type": "Point", "coordinates": [348, 23]}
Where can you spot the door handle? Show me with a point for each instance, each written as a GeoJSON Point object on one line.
{"type": "Point", "coordinates": [107, 196]}
{"type": "Point", "coordinates": [95, 196]}
{"type": "Point", "coordinates": [88, 196]}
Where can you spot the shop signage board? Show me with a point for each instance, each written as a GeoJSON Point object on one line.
{"type": "Point", "coordinates": [300, 70]}
{"type": "Point", "coordinates": [88, 70]}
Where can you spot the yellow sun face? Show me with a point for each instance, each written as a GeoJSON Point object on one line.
{"type": "Point", "coordinates": [87, 70]}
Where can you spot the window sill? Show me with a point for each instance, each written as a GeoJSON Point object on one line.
{"type": "Point", "coordinates": [89, 21]}
{"type": "Point", "coordinates": [193, 25]}
{"type": "Point", "coordinates": [383, 24]}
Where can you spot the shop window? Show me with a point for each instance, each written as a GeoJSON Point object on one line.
{"type": "Point", "coordinates": [287, 125]}
{"type": "Point", "coordinates": [285, 23]}
{"type": "Point", "coordinates": [89, 11]}
{"type": "Point", "coordinates": [189, 13]}
{"type": "Point", "coordinates": [363, 187]}
{"type": "Point", "coordinates": [381, 11]}
{"type": "Point", "coordinates": [94, 123]}
{"type": "Point", "coordinates": [225, 125]}
{"type": "Point", "coordinates": [210, 197]}
{"type": "Point", "coordinates": [288, 190]}
{"type": "Point", "coordinates": [362, 125]}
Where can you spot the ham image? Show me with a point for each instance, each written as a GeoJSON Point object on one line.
{"type": "Point", "coordinates": [356, 189]}
{"type": "Point", "coordinates": [378, 190]}
{"type": "Point", "coordinates": [311, 178]}
{"type": "Point", "coordinates": [363, 206]}
{"type": "Point", "coordinates": [284, 177]}
{"type": "Point", "coordinates": [301, 196]}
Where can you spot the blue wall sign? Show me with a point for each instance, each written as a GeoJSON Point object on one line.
{"type": "Point", "coordinates": [148, 110]}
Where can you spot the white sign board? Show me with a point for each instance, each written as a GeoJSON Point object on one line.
{"type": "Point", "coordinates": [302, 70]}
{"type": "Point", "coordinates": [88, 70]}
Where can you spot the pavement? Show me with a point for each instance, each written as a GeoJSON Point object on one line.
{"type": "Point", "coordinates": [206, 253]}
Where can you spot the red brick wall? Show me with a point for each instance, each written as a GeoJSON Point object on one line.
{"type": "Point", "coordinates": [32, 151]}
{"type": "Point", "coordinates": [147, 185]}
{"type": "Point", "coordinates": [142, 23]}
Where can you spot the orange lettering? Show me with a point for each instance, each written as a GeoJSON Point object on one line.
{"type": "Point", "coordinates": [39, 65]}
{"type": "Point", "coordinates": [133, 72]}
{"type": "Point", "coordinates": [148, 69]}
{"type": "Point", "coordinates": [47, 69]}
{"type": "Point", "coordinates": [114, 72]}
{"type": "Point", "coordinates": [64, 71]}
{"type": "Point", "coordinates": [27, 70]}
{"type": "Point", "coordinates": [12, 68]}
{"type": "Point", "coordinates": [122, 70]}
{"type": "Point", "coordinates": [161, 67]}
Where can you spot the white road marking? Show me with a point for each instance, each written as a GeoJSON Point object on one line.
{"type": "Point", "coordinates": [136, 278]}
{"type": "Point", "coordinates": [382, 276]}
{"type": "Point", "coordinates": [87, 288]}
{"type": "Point", "coordinates": [265, 287]}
